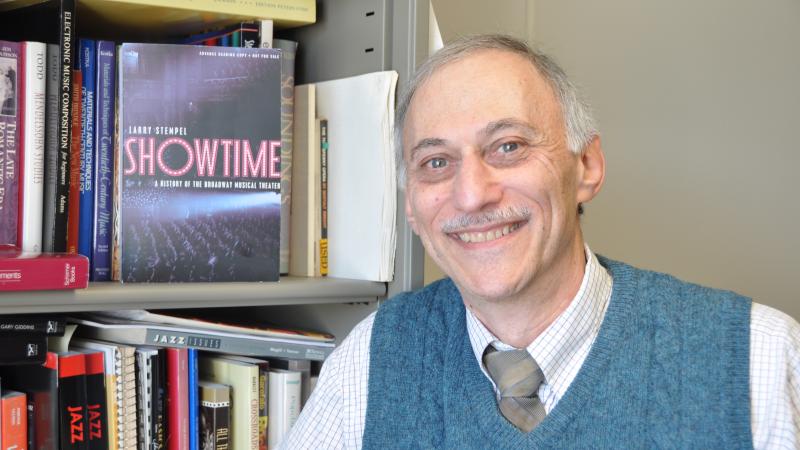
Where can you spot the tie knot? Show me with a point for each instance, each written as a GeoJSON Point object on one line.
{"type": "Point", "coordinates": [515, 372]}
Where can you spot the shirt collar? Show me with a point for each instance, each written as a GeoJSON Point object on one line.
{"type": "Point", "coordinates": [561, 349]}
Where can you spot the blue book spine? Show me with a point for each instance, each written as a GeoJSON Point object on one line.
{"type": "Point", "coordinates": [86, 214]}
{"type": "Point", "coordinates": [194, 404]}
{"type": "Point", "coordinates": [104, 160]}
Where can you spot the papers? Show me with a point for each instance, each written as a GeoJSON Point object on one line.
{"type": "Point", "coordinates": [362, 191]}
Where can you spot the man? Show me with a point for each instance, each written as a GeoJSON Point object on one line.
{"type": "Point", "coordinates": [534, 341]}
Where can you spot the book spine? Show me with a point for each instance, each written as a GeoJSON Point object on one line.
{"type": "Point", "coordinates": [284, 404]}
{"type": "Point", "coordinates": [104, 161]}
{"type": "Point", "coordinates": [159, 400]}
{"type": "Point", "coordinates": [26, 324]}
{"type": "Point", "coordinates": [96, 403]}
{"type": "Point", "coordinates": [72, 401]}
{"type": "Point", "coordinates": [14, 413]}
{"type": "Point", "coordinates": [19, 274]}
{"type": "Point", "coordinates": [116, 192]}
{"type": "Point", "coordinates": [194, 409]}
{"type": "Point", "coordinates": [31, 429]}
{"type": "Point", "coordinates": [86, 216]}
{"type": "Point", "coordinates": [144, 405]}
{"type": "Point", "coordinates": [248, 36]}
{"type": "Point", "coordinates": [177, 399]}
{"type": "Point", "coordinates": [9, 141]}
{"type": "Point", "coordinates": [288, 54]}
{"type": "Point", "coordinates": [40, 383]}
{"type": "Point", "coordinates": [215, 432]}
{"type": "Point", "coordinates": [265, 33]}
{"type": "Point", "coordinates": [263, 406]}
{"type": "Point", "coordinates": [29, 226]}
{"type": "Point", "coordinates": [51, 149]}
{"type": "Point", "coordinates": [323, 241]}
{"type": "Point", "coordinates": [23, 349]}
{"type": "Point", "coordinates": [73, 214]}
{"type": "Point", "coordinates": [64, 171]}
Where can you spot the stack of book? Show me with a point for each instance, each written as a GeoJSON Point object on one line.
{"type": "Point", "coordinates": [149, 381]}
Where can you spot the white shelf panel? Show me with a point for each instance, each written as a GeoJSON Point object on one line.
{"type": "Point", "coordinates": [108, 296]}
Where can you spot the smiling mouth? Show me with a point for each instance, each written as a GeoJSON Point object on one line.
{"type": "Point", "coordinates": [488, 235]}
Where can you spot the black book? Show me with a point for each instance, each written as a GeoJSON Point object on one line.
{"type": "Point", "coordinates": [215, 416]}
{"type": "Point", "coordinates": [50, 326]}
{"type": "Point", "coordinates": [72, 401]}
{"type": "Point", "coordinates": [27, 348]}
{"type": "Point", "coordinates": [40, 383]}
{"type": "Point", "coordinates": [159, 400]}
{"type": "Point", "coordinates": [96, 404]}
{"type": "Point", "coordinates": [52, 22]}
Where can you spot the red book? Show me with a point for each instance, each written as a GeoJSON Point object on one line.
{"type": "Point", "coordinates": [14, 432]}
{"type": "Point", "coordinates": [72, 401]}
{"type": "Point", "coordinates": [22, 271]}
{"type": "Point", "coordinates": [177, 399]}
{"type": "Point", "coordinates": [96, 408]}
{"type": "Point", "coordinates": [74, 166]}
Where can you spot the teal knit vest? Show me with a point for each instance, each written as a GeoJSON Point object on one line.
{"type": "Point", "coordinates": [669, 369]}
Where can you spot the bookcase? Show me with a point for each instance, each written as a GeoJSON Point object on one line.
{"type": "Point", "coordinates": [350, 37]}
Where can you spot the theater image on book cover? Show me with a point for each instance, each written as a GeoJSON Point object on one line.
{"type": "Point", "coordinates": [199, 193]}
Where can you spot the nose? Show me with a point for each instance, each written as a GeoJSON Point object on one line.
{"type": "Point", "coordinates": [476, 184]}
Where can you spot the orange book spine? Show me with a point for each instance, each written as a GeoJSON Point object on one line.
{"type": "Point", "coordinates": [14, 430]}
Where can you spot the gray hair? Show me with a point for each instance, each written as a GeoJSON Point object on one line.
{"type": "Point", "coordinates": [580, 124]}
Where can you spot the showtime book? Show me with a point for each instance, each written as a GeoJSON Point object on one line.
{"type": "Point", "coordinates": [199, 174]}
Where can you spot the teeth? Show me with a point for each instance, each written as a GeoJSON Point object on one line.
{"type": "Point", "coordinates": [488, 235]}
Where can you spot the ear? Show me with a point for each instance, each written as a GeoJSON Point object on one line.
{"type": "Point", "coordinates": [412, 221]}
{"type": "Point", "coordinates": [591, 171]}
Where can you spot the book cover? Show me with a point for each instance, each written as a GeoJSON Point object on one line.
{"type": "Point", "coordinates": [96, 401]}
{"type": "Point", "coordinates": [243, 380]}
{"type": "Point", "coordinates": [194, 406]}
{"type": "Point", "coordinates": [40, 383]}
{"type": "Point", "coordinates": [143, 333]}
{"type": "Point", "coordinates": [200, 183]}
{"type": "Point", "coordinates": [103, 160]}
{"type": "Point", "coordinates": [305, 184]}
{"type": "Point", "coordinates": [24, 271]}
{"type": "Point", "coordinates": [51, 22]}
{"type": "Point", "coordinates": [31, 187]}
{"type": "Point", "coordinates": [263, 395]}
{"type": "Point", "coordinates": [177, 399]}
{"type": "Point", "coordinates": [37, 324]}
{"type": "Point", "coordinates": [10, 61]}
{"type": "Point", "coordinates": [215, 416]}
{"type": "Point", "coordinates": [88, 64]}
{"type": "Point", "coordinates": [72, 401]}
{"type": "Point", "coordinates": [149, 377]}
{"type": "Point", "coordinates": [14, 413]}
{"type": "Point", "coordinates": [288, 54]}
{"type": "Point", "coordinates": [323, 199]}
{"type": "Point", "coordinates": [53, 82]}
{"type": "Point", "coordinates": [284, 403]}
{"type": "Point", "coordinates": [298, 365]}
{"type": "Point", "coordinates": [23, 349]}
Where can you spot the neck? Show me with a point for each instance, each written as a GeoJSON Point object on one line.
{"type": "Point", "coordinates": [518, 320]}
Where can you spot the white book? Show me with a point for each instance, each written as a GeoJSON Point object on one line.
{"type": "Point", "coordinates": [33, 136]}
{"type": "Point", "coordinates": [284, 404]}
{"type": "Point", "coordinates": [265, 28]}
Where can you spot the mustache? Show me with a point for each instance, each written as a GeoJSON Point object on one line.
{"type": "Point", "coordinates": [508, 214]}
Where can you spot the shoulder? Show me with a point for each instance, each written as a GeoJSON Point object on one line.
{"type": "Point", "coordinates": [773, 331]}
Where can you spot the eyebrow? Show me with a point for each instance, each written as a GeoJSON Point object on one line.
{"type": "Point", "coordinates": [425, 143]}
{"type": "Point", "coordinates": [503, 124]}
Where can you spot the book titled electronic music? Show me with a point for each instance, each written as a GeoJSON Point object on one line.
{"type": "Point", "coordinates": [199, 177]}
{"type": "Point", "coordinates": [25, 271]}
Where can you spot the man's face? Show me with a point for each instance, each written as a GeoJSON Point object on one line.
{"type": "Point", "coordinates": [492, 187]}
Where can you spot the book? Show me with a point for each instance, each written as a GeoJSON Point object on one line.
{"type": "Point", "coordinates": [297, 365]}
{"type": "Point", "coordinates": [24, 348]}
{"type": "Point", "coordinates": [243, 380]}
{"type": "Point", "coordinates": [34, 324]}
{"type": "Point", "coordinates": [32, 106]}
{"type": "Point", "coordinates": [265, 35]}
{"type": "Point", "coordinates": [14, 413]}
{"type": "Point", "coordinates": [288, 54]}
{"type": "Point", "coordinates": [150, 379]}
{"type": "Point", "coordinates": [88, 65]}
{"type": "Point", "coordinates": [194, 406]}
{"type": "Point", "coordinates": [200, 176]}
{"type": "Point", "coordinates": [72, 401]}
{"type": "Point", "coordinates": [51, 22]}
{"type": "Point", "coordinates": [263, 395]}
{"type": "Point", "coordinates": [31, 417]}
{"type": "Point", "coordinates": [10, 62]}
{"type": "Point", "coordinates": [323, 198]}
{"type": "Point", "coordinates": [243, 34]}
{"type": "Point", "coordinates": [146, 333]}
{"type": "Point", "coordinates": [305, 184]}
{"type": "Point", "coordinates": [177, 399]}
{"type": "Point", "coordinates": [103, 160]}
{"type": "Point", "coordinates": [215, 416]}
{"type": "Point", "coordinates": [96, 401]}
{"type": "Point", "coordinates": [284, 403]}
{"type": "Point", "coordinates": [74, 195]}
{"type": "Point", "coordinates": [40, 383]}
{"type": "Point", "coordinates": [25, 271]}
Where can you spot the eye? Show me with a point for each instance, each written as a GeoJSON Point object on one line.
{"type": "Point", "coordinates": [436, 163]}
{"type": "Point", "coordinates": [508, 147]}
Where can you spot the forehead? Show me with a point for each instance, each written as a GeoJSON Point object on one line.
{"type": "Point", "coordinates": [479, 88]}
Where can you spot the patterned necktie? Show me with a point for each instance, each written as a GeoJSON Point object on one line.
{"type": "Point", "coordinates": [518, 377]}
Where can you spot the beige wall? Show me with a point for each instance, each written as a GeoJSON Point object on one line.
{"type": "Point", "coordinates": [699, 109]}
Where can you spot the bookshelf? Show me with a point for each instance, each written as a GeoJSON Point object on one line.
{"type": "Point", "coordinates": [350, 37]}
